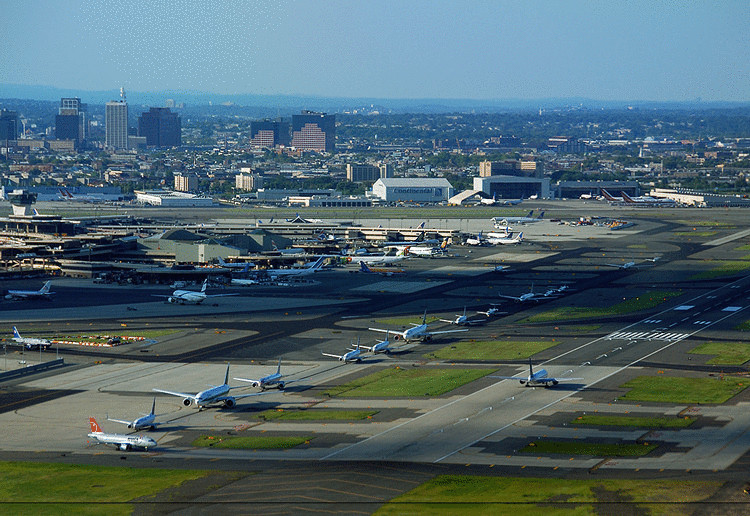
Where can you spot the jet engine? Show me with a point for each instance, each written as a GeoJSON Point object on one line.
{"type": "Point", "coordinates": [124, 446]}
{"type": "Point", "coordinates": [281, 385]}
{"type": "Point", "coordinates": [230, 403]}
{"type": "Point", "coordinates": [256, 384]}
{"type": "Point", "coordinates": [555, 382]}
{"type": "Point", "coordinates": [187, 402]}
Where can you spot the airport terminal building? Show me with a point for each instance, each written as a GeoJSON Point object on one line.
{"type": "Point", "coordinates": [513, 187]}
{"type": "Point", "coordinates": [390, 189]}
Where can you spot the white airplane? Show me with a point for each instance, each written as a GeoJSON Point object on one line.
{"type": "Point", "coordinates": [647, 200]}
{"type": "Point", "coordinates": [242, 282]}
{"type": "Point", "coordinates": [191, 297]}
{"type": "Point", "coordinates": [363, 267]}
{"type": "Point", "coordinates": [538, 378]}
{"type": "Point", "coordinates": [461, 320]}
{"type": "Point", "coordinates": [29, 342]}
{"type": "Point", "coordinates": [492, 310]}
{"type": "Point", "coordinates": [502, 202]}
{"type": "Point", "coordinates": [417, 332]}
{"type": "Point", "coordinates": [507, 221]}
{"type": "Point", "coordinates": [215, 394]}
{"type": "Point", "coordinates": [119, 441]}
{"type": "Point", "coordinates": [353, 355]}
{"type": "Point", "coordinates": [42, 293]}
{"type": "Point", "coordinates": [630, 265]}
{"type": "Point", "coordinates": [383, 259]}
{"type": "Point", "coordinates": [145, 421]}
{"type": "Point", "coordinates": [506, 240]}
{"type": "Point", "coordinates": [478, 240]}
{"type": "Point", "coordinates": [529, 296]}
{"type": "Point", "coordinates": [382, 346]}
{"type": "Point", "coordinates": [268, 380]}
{"type": "Point", "coordinates": [235, 265]}
{"type": "Point", "coordinates": [304, 271]}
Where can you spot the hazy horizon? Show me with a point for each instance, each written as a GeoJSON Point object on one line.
{"type": "Point", "coordinates": [438, 50]}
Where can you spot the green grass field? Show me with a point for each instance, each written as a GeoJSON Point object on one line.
{"type": "Point", "coordinates": [250, 443]}
{"type": "Point", "coordinates": [634, 304]}
{"type": "Point", "coordinates": [398, 382]}
{"type": "Point", "coordinates": [316, 415]}
{"type": "Point", "coordinates": [743, 326]}
{"type": "Point", "coordinates": [476, 495]}
{"type": "Point", "coordinates": [669, 389]}
{"type": "Point", "coordinates": [495, 350]}
{"type": "Point", "coordinates": [727, 353]}
{"type": "Point", "coordinates": [640, 422]}
{"type": "Point", "coordinates": [77, 489]}
{"type": "Point", "coordinates": [694, 233]}
{"type": "Point", "coordinates": [723, 268]}
{"type": "Point", "coordinates": [585, 448]}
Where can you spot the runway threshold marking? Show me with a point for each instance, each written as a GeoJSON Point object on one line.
{"type": "Point", "coordinates": [672, 343]}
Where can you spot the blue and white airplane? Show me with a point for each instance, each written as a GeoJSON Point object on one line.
{"type": "Point", "coordinates": [266, 381]}
{"type": "Point", "coordinates": [145, 421]}
{"type": "Point", "coordinates": [353, 355]}
{"type": "Point", "coordinates": [539, 378]}
{"type": "Point", "coordinates": [29, 342]}
{"type": "Point", "coordinates": [418, 332]}
{"type": "Point", "coordinates": [215, 394]}
{"type": "Point", "coordinates": [42, 293]}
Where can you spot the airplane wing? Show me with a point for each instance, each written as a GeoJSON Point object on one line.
{"type": "Point", "coordinates": [445, 331]}
{"type": "Point", "coordinates": [334, 356]}
{"type": "Point", "coordinates": [446, 320]}
{"type": "Point", "coordinates": [120, 421]}
{"type": "Point", "coordinates": [181, 394]}
{"type": "Point", "coordinates": [385, 331]}
{"type": "Point", "coordinates": [509, 377]}
{"type": "Point", "coordinates": [558, 379]}
{"type": "Point", "coordinates": [248, 380]}
{"type": "Point", "coordinates": [240, 396]}
{"type": "Point", "coordinates": [222, 295]}
{"type": "Point", "coordinates": [514, 298]}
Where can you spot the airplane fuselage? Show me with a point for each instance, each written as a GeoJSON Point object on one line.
{"type": "Point", "coordinates": [123, 442]}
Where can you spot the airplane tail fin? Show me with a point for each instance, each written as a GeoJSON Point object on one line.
{"type": "Point", "coordinates": [226, 377]}
{"type": "Point", "coordinates": [541, 216]}
{"type": "Point", "coordinates": [444, 245]}
{"type": "Point", "coordinates": [627, 198]}
{"type": "Point", "coordinates": [363, 267]}
{"type": "Point", "coordinates": [205, 284]}
{"type": "Point", "coordinates": [153, 407]}
{"type": "Point", "coordinates": [607, 195]}
{"type": "Point", "coordinates": [94, 425]}
{"type": "Point", "coordinates": [318, 263]}
{"type": "Point", "coordinates": [221, 261]}
{"type": "Point", "coordinates": [530, 214]}
{"type": "Point", "coordinates": [424, 317]}
{"type": "Point", "coordinates": [278, 369]}
{"type": "Point", "coordinates": [531, 368]}
{"type": "Point", "coordinates": [15, 333]}
{"type": "Point", "coordinates": [45, 287]}
{"type": "Point", "coordinates": [421, 226]}
{"type": "Point", "coordinates": [520, 236]}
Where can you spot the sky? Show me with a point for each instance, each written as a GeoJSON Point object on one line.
{"type": "Point", "coordinates": [604, 50]}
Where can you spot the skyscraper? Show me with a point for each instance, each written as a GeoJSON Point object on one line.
{"type": "Point", "coordinates": [314, 131]}
{"type": "Point", "coordinates": [116, 123]}
{"type": "Point", "coordinates": [71, 122]}
{"type": "Point", "coordinates": [8, 125]}
{"type": "Point", "coordinates": [269, 133]}
{"type": "Point", "coordinates": [161, 127]}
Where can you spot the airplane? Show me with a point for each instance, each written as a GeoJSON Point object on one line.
{"type": "Point", "coordinates": [304, 271]}
{"type": "Point", "coordinates": [353, 355]}
{"type": "Point", "coordinates": [215, 394]}
{"type": "Point", "coordinates": [191, 297]}
{"type": "Point", "coordinates": [145, 421]}
{"type": "Point", "coordinates": [243, 282]}
{"type": "Point", "coordinates": [382, 346]}
{"type": "Point", "coordinates": [235, 265]}
{"type": "Point", "coordinates": [529, 296]}
{"type": "Point", "coordinates": [647, 200]}
{"type": "Point", "coordinates": [461, 320]}
{"type": "Point", "coordinates": [42, 293]}
{"type": "Point", "coordinates": [322, 238]}
{"type": "Point", "coordinates": [507, 221]}
{"type": "Point", "coordinates": [477, 240]}
{"type": "Point", "coordinates": [28, 342]}
{"type": "Point", "coordinates": [120, 441]}
{"type": "Point", "coordinates": [538, 378]}
{"type": "Point", "coordinates": [506, 240]}
{"type": "Point", "coordinates": [631, 265]}
{"type": "Point", "coordinates": [502, 202]}
{"type": "Point", "coordinates": [418, 240]}
{"type": "Point", "coordinates": [492, 310]}
{"type": "Point", "coordinates": [611, 198]}
{"type": "Point", "coordinates": [363, 267]}
{"type": "Point", "coordinates": [66, 195]}
{"type": "Point", "coordinates": [267, 380]}
{"type": "Point", "coordinates": [417, 332]}
{"type": "Point", "coordinates": [383, 259]}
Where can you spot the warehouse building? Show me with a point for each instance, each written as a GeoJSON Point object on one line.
{"type": "Point", "coordinates": [412, 189]}
{"type": "Point", "coordinates": [513, 187]}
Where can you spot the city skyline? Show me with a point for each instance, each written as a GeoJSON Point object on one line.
{"type": "Point", "coordinates": [639, 51]}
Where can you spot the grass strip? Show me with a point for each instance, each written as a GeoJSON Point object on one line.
{"type": "Point", "coordinates": [316, 415]}
{"type": "Point", "coordinates": [634, 304]}
{"type": "Point", "coordinates": [727, 353]}
{"type": "Point", "coordinates": [82, 489]}
{"type": "Point", "coordinates": [495, 350]}
{"type": "Point", "coordinates": [694, 233]}
{"type": "Point", "coordinates": [640, 422]}
{"type": "Point", "coordinates": [470, 495]}
{"type": "Point", "coordinates": [250, 443]}
{"type": "Point", "coordinates": [723, 268]}
{"type": "Point", "coordinates": [585, 448]}
{"type": "Point", "coordinates": [670, 389]}
{"type": "Point", "coordinates": [398, 382]}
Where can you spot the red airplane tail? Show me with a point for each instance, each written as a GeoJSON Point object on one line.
{"type": "Point", "coordinates": [94, 425]}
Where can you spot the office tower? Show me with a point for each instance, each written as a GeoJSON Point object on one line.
{"type": "Point", "coordinates": [386, 170]}
{"type": "Point", "coordinates": [116, 122]}
{"type": "Point", "coordinates": [269, 133]}
{"type": "Point", "coordinates": [359, 173]}
{"type": "Point", "coordinates": [8, 125]}
{"type": "Point", "coordinates": [161, 127]}
{"type": "Point", "coordinates": [314, 131]}
{"type": "Point", "coordinates": [71, 122]}
{"type": "Point", "coordinates": [185, 183]}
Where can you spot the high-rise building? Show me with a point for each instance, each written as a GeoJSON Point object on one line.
{"type": "Point", "coordinates": [116, 123]}
{"type": "Point", "coordinates": [358, 173]}
{"type": "Point", "coordinates": [186, 183]}
{"type": "Point", "coordinates": [71, 122]}
{"type": "Point", "coordinates": [161, 127]}
{"type": "Point", "coordinates": [269, 133]}
{"type": "Point", "coordinates": [314, 131]}
{"type": "Point", "coordinates": [9, 125]}
{"type": "Point", "coordinates": [248, 181]}
{"type": "Point", "coordinates": [386, 170]}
